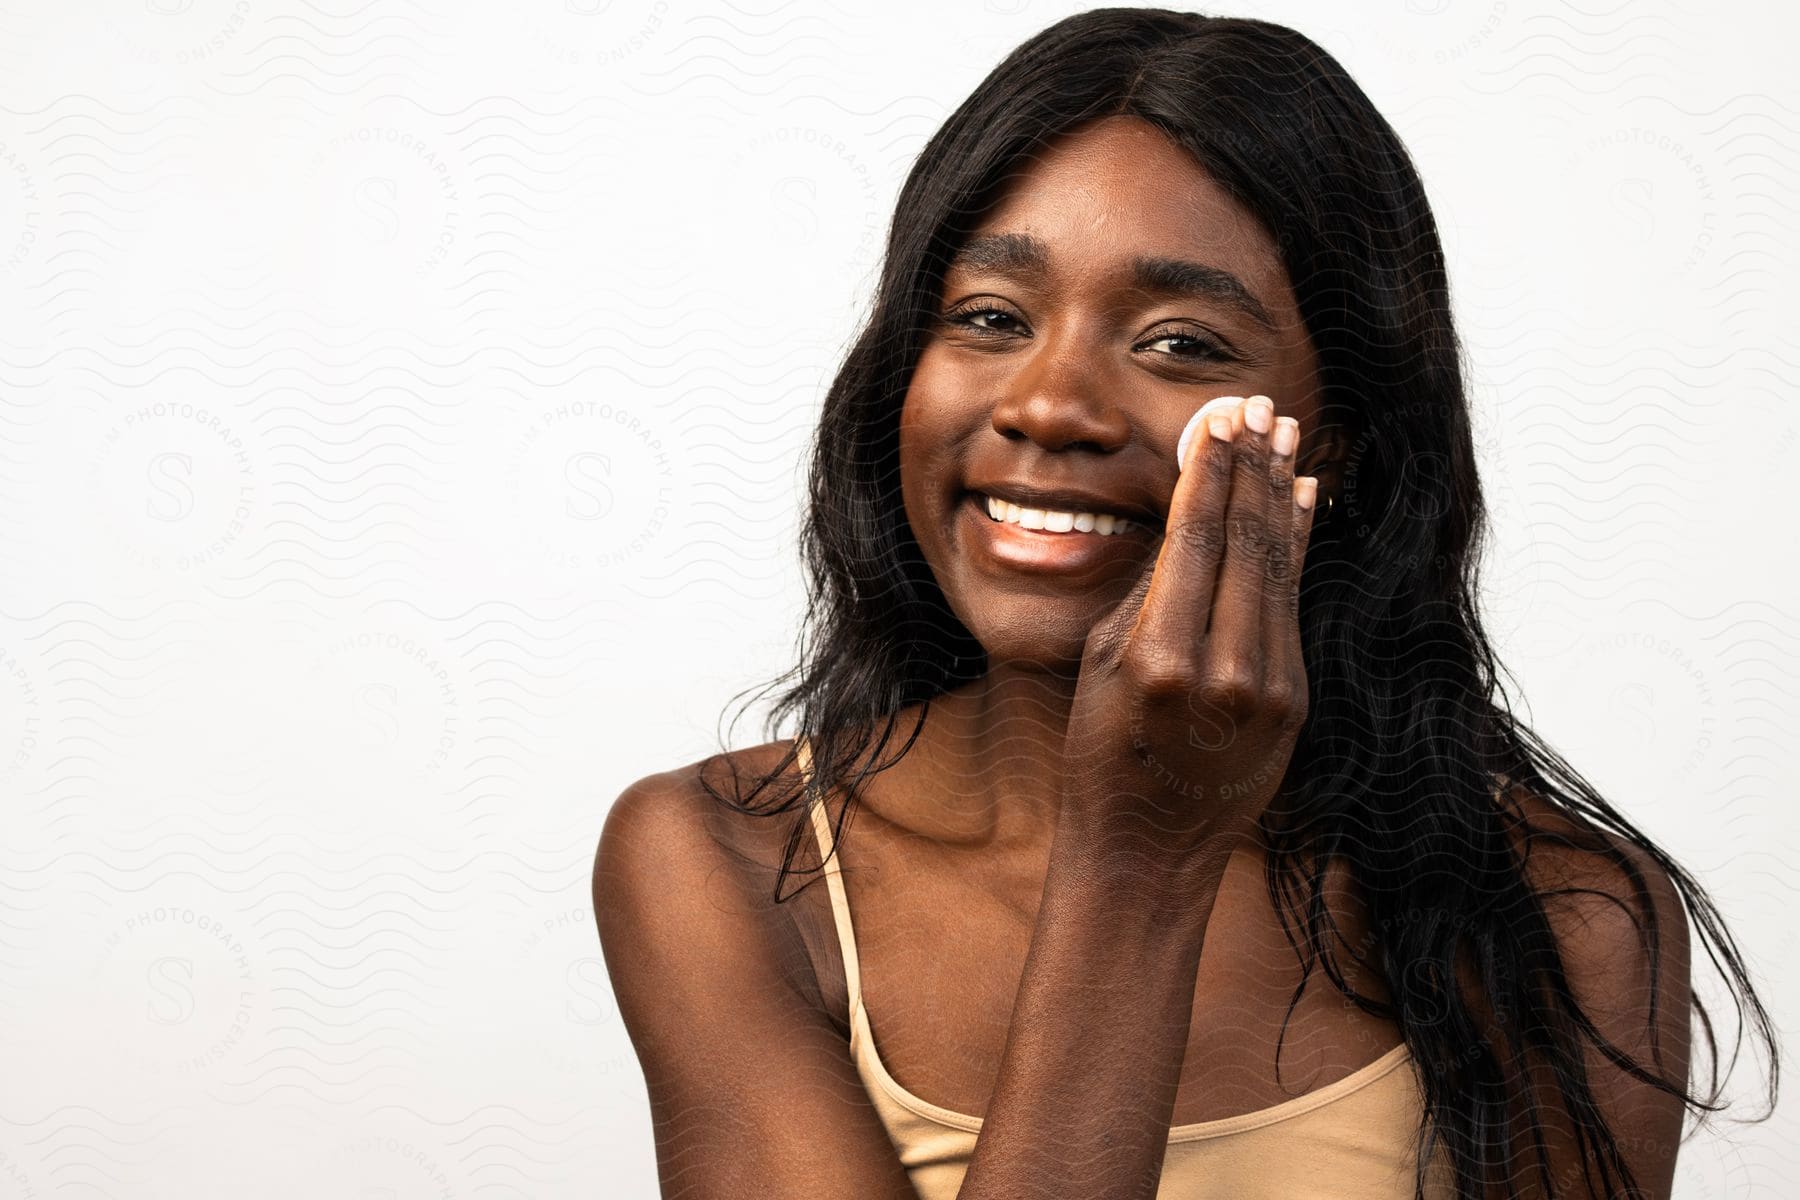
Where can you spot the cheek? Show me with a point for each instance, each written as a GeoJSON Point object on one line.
{"type": "Point", "coordinates": [918, 474]}
{"type": "Point", "coordinates": [927, 394]}
{"type": "Point", "coordinates": [929, 432]}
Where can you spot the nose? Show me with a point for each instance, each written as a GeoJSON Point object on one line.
{"type": "Point", "coordinates": [1062, 400]}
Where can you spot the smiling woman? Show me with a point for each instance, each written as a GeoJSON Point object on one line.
{"type": "Point", "coordinates": [1112, 285]}
{"type": "Point", "coordinates": [1202, 777]}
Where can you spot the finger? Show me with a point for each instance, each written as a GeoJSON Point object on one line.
{"type": "Point", "coordinates": [1235, 635]}
{"type": "Point", "coordinates": [1175, 608]}
{"type": "Point", "coordinates": [1306, 494]}
{"type": "Point", "coordinates": [1287, 554]}
{"type": "Point", "coordinates": [1291, 661]}
{"type": "Point", "coordinates": [1280, 570]}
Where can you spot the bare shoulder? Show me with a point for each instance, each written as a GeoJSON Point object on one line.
{"type": "Point", "coordinates": [712, 798]}
{"type": "Point", "coordinates": [1592, 900]}
{"type": "Point", "coordinates": [1623, 944]}
{"type": "Point", "coordinates": [752, 1089]}
{"type": "Point", "coordinates": [1623, 938]}
{"type": "Point", "coordinates": [671, 850]}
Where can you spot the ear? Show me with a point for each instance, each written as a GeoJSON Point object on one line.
{"type": "Point", "coordinates": [1324, 457]}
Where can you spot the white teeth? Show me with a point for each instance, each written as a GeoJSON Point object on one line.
{"type": "Point", "coordinates": [1055, 521]}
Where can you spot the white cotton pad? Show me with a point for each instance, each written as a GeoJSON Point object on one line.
{"type": "Point", "coordinates": [1193, 425]}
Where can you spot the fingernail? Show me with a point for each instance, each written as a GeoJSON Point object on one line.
{"type": "Point", "coordinates": [1219, 427]}
{"type": "Point", "coordinates": [1287, 432]}
{"type": "Point", "coordinates": [1258, 412]}
{"type": "Point", "coordinates": [1306, 490]}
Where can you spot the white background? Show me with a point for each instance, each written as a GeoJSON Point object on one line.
{"type": "Point", "coordinates": [402, 418]}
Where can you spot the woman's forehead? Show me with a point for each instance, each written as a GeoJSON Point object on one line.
{"type": "Point", "coordinates": [1118, 191]}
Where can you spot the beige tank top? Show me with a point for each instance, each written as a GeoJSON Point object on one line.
{"type": "Point", "coordinates": [1349, 1140]}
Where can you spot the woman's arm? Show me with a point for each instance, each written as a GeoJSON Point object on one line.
{"type": "Point", "coordinates": [1087, 1083]}
{"type": "Point", "coordinates": [752, 1089]}
{"type": "Point", "coordinates": [1152, 810]}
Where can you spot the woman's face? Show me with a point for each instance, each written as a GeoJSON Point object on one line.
{"type": "Point", "coordinates": [1064, 360]}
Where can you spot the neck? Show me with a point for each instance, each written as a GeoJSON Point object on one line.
{"type": "Point", "coordinates": [995, 748]}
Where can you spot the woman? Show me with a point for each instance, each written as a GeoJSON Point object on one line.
{"type": "Point", "coordinates": [1196, 874]}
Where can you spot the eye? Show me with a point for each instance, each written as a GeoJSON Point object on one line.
{"type": "Point", "coordinates": [1201, 346]}
{"type": "Point", "coordinates": [966, 314]}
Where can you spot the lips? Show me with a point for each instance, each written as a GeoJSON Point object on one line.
{"type": "Point", "coordinates": [1004, 549]}
{"type": "Point", "coordinates": [1064, 520]}
{"type": "Point", "coordinates": [1133, 507]}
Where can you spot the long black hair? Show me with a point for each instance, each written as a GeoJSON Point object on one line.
{"type": "Point", "coordinates": [1410, 729]}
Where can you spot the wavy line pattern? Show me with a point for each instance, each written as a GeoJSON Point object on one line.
{"type": "Point", "coordinates": [389, 388]}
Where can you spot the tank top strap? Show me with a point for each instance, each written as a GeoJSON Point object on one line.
{"type": "Point", "coordinates": [834, 881]}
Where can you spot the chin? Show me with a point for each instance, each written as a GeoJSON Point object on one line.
{"type": "Point", "coordinates": [1054, 647]}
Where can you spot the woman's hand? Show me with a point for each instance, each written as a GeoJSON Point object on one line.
{"type": "Point", "coordinates": [1192, 690]}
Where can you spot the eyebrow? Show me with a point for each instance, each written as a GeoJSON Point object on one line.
{"type": "Point", "coordinates": [1023, 257]}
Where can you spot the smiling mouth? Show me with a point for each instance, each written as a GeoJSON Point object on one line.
{"type": "Point", "coordinates": [1055, 521]}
